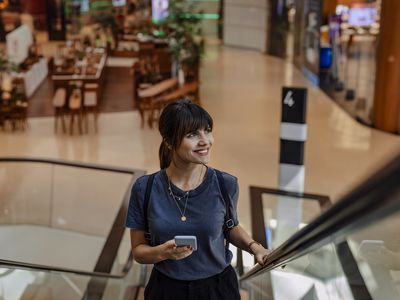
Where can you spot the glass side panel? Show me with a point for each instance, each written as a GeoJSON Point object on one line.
{"type": "Point", "coordinates": [377, 251]}
{"type": "Point", "coordinates": [18, 284]}
{"type": "Point", "coordinates": [58, 216]}
{"type": "Point", "coordinates": [317, 275]}
{"type": "Point", "coordinates": [284, 215]}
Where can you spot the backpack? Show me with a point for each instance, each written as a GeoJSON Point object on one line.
{"type": "Point", "coordinates": [228, 221]}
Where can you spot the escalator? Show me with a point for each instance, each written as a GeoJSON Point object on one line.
{"type": "Point", "coordinates": [349, 250]}
{"type": "Point", "coordinates": [62, 231]}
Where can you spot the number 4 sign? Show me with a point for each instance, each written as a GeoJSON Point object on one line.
{"type": "Point", "coordinates": [294, 105]}
{"type": "Point", "coordinates": [289, 99]}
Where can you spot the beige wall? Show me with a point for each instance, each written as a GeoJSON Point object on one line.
{"type": "Point", "coordinates": [245, 23]}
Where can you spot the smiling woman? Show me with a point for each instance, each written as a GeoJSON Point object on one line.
{"type": "Point", "coordinates": [189, 199]}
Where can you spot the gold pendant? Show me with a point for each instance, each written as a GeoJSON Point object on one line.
{"type": "Point", "coordinates": [183, 218]}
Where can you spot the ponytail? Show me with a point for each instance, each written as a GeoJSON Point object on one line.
{"type": "Point", "coordinates": [165, 155]}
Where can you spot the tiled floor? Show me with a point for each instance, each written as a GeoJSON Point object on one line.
{"type": "Point", "coordinates": [242, 91]}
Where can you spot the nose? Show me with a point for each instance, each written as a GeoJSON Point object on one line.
{"type": "Point", "coordinates": [204, 138]}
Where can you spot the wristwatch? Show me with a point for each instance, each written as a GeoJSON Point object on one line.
{"type": "Point", "coordinates": [251, 243]}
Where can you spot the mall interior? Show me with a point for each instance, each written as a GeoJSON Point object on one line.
{"type": "Point", "coordinates": [305, 100]}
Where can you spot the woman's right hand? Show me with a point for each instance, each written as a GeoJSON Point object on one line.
{"type": "Point", "coordinates": [171, 251]}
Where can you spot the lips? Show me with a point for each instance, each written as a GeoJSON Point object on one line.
{"type": "Point", "coordinates": [202, 151]}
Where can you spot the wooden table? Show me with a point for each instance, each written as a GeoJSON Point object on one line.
{"type": "Point", "coordinates": [62, 80]}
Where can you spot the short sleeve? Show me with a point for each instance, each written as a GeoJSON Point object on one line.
{"type": "Point", "coordinates": [135, 215]}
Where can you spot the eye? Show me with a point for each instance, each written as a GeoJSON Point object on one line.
{"type": "Point", "coordinates": [191, 134]}
{"type": "Point", "coordinates": [208, 129]}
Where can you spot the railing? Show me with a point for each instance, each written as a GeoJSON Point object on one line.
{"type": "Point", "coordinates": [352, 219]}
{"type": "Point", "coordinates": [78, 201]}
{"type": "Point", "coordinates": [367, 218]}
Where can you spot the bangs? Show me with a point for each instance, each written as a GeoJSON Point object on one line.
{"type": "Point", "coordinates": [191, 118]}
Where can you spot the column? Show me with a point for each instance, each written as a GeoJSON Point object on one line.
{"type": "Point", "coordinates": [386, 109]}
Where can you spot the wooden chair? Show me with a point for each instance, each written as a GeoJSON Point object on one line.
{"type": "Point", "coordinates": [20, 110]}
{"type": "Point", "coordinates": [7, 108]}
{"type": "Point", "coordinates": [59, 100]}
{"type": "Point", "coordinates": [91, 103]}
{"type": "Point", "coordinates": [20, 114]}
{"type": "Point", "coordinates": [75, 105]}
{"type": "Point", "coordinates": [147, 98]}
{"type": "Point", "coordinates": [5, 114]}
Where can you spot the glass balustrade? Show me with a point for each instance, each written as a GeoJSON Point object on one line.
{"type": "Point", "coordinates": [59, 215]}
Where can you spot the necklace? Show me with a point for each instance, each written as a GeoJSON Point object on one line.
{"type": "Point", "coordinates": [178, 199]}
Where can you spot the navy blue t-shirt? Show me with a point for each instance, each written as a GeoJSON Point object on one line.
{"type": "Point", "coordinates": [205, 214]}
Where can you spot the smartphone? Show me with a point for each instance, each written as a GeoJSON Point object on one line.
{"type": "Point", "coordinates": [186, 240]}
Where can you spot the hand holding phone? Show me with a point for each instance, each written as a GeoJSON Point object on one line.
{"type": "Point", "coordinates": [186, 240]}
{"type": "Point", "coordinates": [171, 251]}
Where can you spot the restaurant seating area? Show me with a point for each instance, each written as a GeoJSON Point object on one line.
{"type": "Point", "coordinates": [78, 78]}
{"type": "Point", "coordinates": [69, 80]}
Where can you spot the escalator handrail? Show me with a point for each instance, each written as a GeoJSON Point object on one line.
{"type": "Point", "coordinates": [9, 264]}
{"type": "Point", "coordinates": [372, 200]}
{"type": "Point", "coordinates": [93, 166]}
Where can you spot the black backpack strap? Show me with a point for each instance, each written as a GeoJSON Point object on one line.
{"type": "Point", "coordinates": [228, 221]}
{"type": "Point", "coordinates": [149, 185]}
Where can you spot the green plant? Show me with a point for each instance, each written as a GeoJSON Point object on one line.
{"type": "Point", "coordinates": [184, 34]}
{"type": "Point", "coordinates": [7, 66]}
{"type": "Point", "coordinates": [3, 62]}
{"type": "Point", "coordinates": [79, 54]}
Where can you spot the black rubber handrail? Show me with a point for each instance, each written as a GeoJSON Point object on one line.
{"type": "Point", "coordinates": [374, 199]}
{"type": "Point", "coordinates": [9, 264]}
{"type": "Point", "coordinates": [61, 162]}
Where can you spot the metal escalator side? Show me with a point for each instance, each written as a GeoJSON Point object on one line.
{"type": "Point", "coordinates": [62, 225]}
{"type": "Point", "coordinates": [350, 251]}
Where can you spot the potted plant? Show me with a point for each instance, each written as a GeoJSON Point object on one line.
{"type": "Point", "coordinates": [185, 37]}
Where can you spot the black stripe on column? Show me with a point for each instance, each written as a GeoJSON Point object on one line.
{"type": "Point", "coordinates": [295, 113]}
{"type": "Point", "coordinates": [292, 152]}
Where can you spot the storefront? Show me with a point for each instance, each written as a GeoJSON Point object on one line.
{"type": "Point", "coordinates": [349, 38]}
{"type": "Point", "coordinates": [334, 43]}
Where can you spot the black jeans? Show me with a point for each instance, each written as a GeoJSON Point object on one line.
{"type": "Point", "coordinates": [218, 287]}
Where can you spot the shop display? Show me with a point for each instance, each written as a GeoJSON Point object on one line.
{"type": "Point", "coordinates": [312, 14]}
{"type": "Point", "coordinates": [159, 9]}
{"type": "Point", "coordinates": [353, 38]}
{"type": "Point", "coordinates": [362, 16]}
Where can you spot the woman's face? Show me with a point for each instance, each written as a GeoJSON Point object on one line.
{"type": "Point", "coordinates": [195, 147]}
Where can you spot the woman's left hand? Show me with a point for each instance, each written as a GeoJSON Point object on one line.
{"type": "Point", "coordinates": [260, 254]}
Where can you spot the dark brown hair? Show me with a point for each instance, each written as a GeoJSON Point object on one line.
{"type": "Point", "coordinates": [176, 120]}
